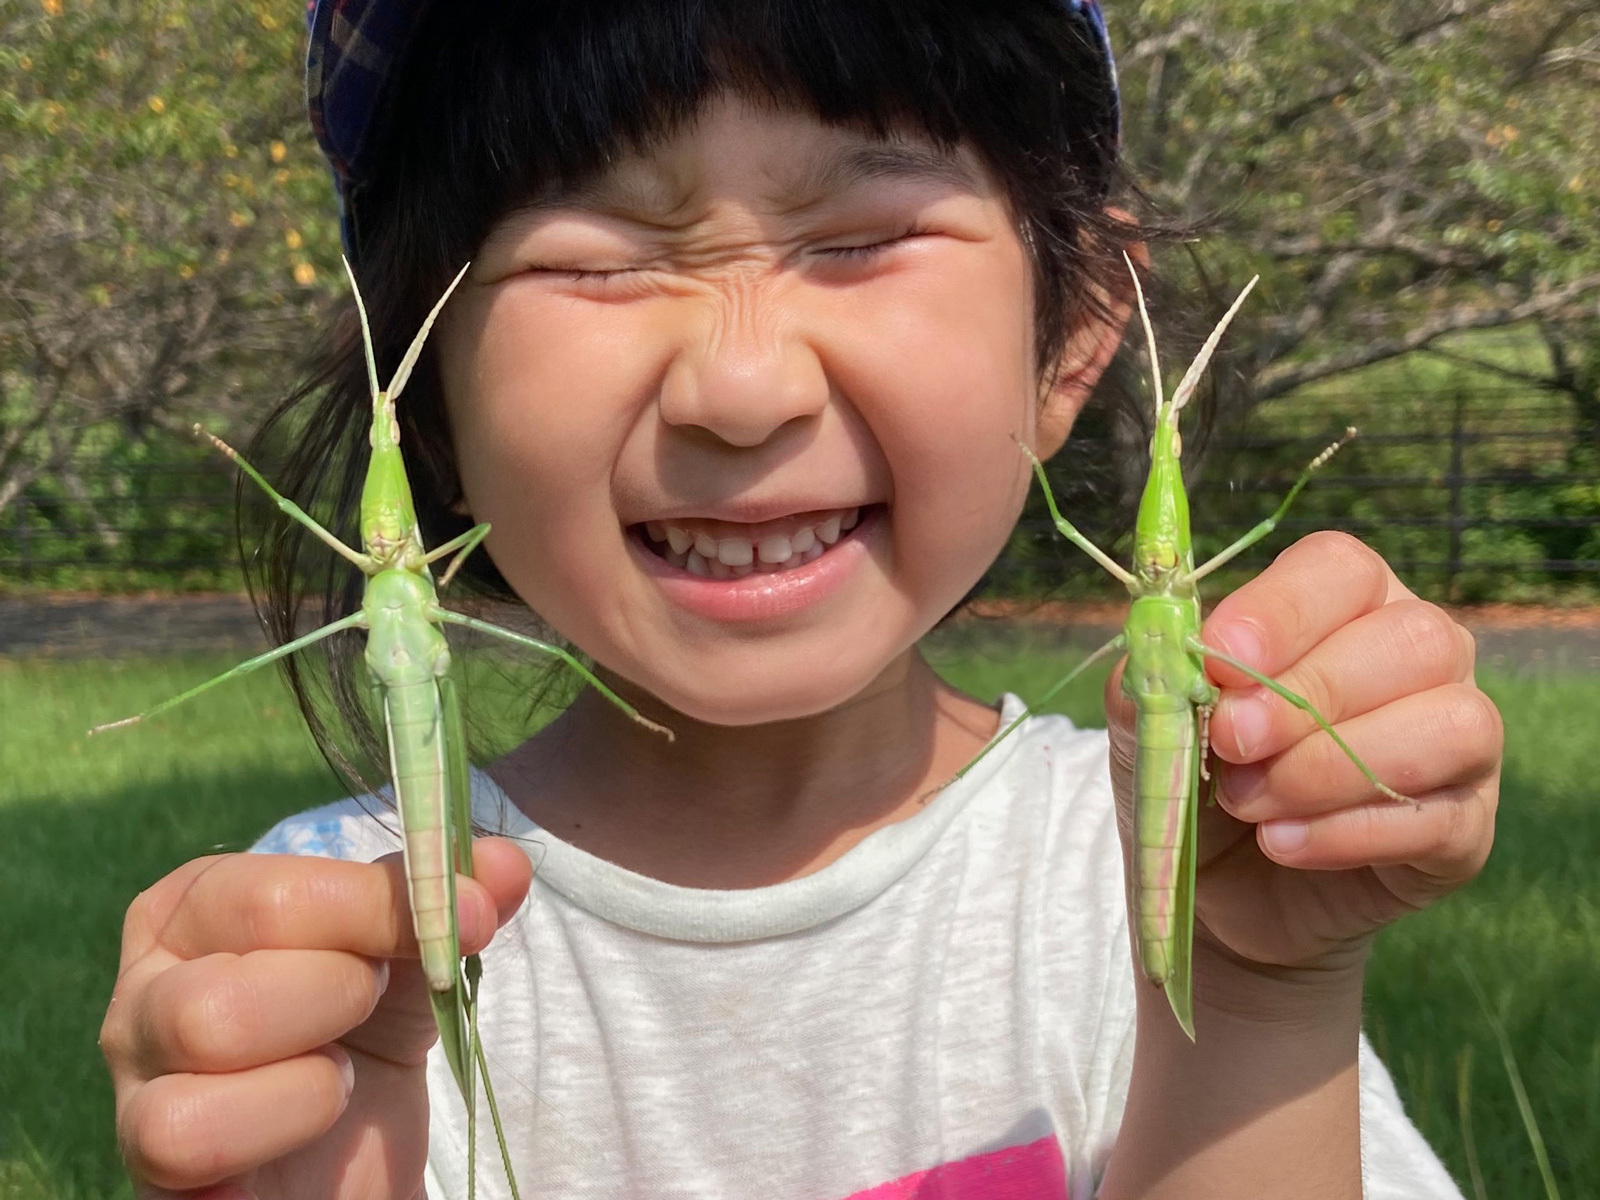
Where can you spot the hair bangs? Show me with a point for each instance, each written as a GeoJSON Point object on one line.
{"type": "Point", "coordinates": [523, 100]}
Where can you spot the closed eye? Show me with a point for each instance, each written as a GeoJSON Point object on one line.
{"type": "Point", "coordinates": [848, 253]}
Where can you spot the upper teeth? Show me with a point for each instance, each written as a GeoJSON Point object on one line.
{"type": "Point", "coordinates": [731, 556]}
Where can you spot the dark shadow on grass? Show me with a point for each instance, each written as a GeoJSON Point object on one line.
{"type": "Point", "coordinates": [1529, 927]}
{"type": "Point", "coordinates": [70, 871]}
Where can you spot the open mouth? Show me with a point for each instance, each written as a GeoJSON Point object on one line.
{"type": "Point", "coordinates": [725, 550]}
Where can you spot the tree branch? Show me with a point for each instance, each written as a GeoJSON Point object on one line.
{"type": "Point", "coordinates": [1281, 378]}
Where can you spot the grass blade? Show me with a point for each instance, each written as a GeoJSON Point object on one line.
{"type": "Point", "coordinates": [1469, 1143]}
{"type": "Point", "coordinates": [1540, 1155]}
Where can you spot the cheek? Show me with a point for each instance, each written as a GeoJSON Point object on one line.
{"type": "Point", "coordinates": [537, 423]}
{"type": "Point", "coordinates": [946, 414]}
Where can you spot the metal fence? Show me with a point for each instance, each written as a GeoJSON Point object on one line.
{"type": "Point", "coordinates": [1471, 495]}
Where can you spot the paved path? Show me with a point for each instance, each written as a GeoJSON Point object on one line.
{"type": "Point", "coordinates": [91, 626]}
{"type": "Point", "coordinates": [96, 626]}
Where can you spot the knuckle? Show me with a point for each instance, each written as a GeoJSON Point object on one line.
{"type": "Point", "coordinates": [1427, 634]}
{"type": "Point", "coordinates": [1458, 831]}
{"type": "Point", "coordinates": [141, 921]}
{"type": "Point", "coordinates": [164, 1137]}
{"type": "Point", "coordinates": [1469, 650]}
{"type": "Point", "coordinates": [140, 909]}
{"type": "Point", "coordinates": [207, 1020]}
{"type": "Point", "coordinates": [271, 912]}
{"type": "Point", "coordinates": [1471, 717]}
{"type": "Point", "coordinates": [115, 1038]}
{"type": "Point", "coordinates": [1348, 554]}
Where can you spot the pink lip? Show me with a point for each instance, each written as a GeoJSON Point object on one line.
{"type": "Point", "coordinates": [761, 597]}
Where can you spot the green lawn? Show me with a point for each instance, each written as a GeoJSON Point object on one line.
{"type": "Point", "coordinates": [85, 824]}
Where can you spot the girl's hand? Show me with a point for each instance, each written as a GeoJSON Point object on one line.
{"type": "Point", "coordinates": [270, 1024]}
{"type": "Point", "coordinates": [1303, 859]}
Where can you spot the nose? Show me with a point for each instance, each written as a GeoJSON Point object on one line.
{"type": "Point", "coordinates": [744, 373]}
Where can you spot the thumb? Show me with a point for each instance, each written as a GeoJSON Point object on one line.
{"type": "Point", "coordinates": [504, 870]}
{"type": "Point", "coordinates": [1120, 714]}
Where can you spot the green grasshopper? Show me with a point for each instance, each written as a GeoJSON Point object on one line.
{"type": "Point", "coordinates": [408, 662]}
{"type": "Point", "coordinates": [1166, 680]}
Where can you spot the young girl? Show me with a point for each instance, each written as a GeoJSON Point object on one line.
{"type": "Point", "coordinates": [761, 294]}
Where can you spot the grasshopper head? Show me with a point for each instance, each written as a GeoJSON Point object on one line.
{"type": "Point", "coordinates": [1161, 548]}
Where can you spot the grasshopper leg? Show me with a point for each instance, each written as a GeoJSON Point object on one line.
{"type": "Point", "coordinates": [1111, 647]}
{"type": "Point", "coordinates": [1271, 523]}
{"type": "Point", "coordinates": [455, 618]}
{"type": "Point", "coordinates": [1306, 707]}
{"type": "Point", "coordinates": [353, 621]}
{"type": "Point", "coordinates": [287, 506]}
{"type": "Point", "coordinates": [474, 972]}
{"type": "Point", "coordinates": [466, 544]}
{"type": "Point", "coordinates": [1070, 531]}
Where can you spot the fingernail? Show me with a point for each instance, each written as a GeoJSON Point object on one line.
{"type": "Point", "coordinates": [1284, 837]}
{"type": "Point", "coordinates": [1243, 642]}
{"type": "Point", "coordinates": [1237, 788]}
{"type": "Point", "coordinates": [477, 922]}
{"type": "Point", "coordinates": [347, 1069]}
{"type": "Point", "coordinates": [1251, 722]}
{"type": "Point", "coordinates": [383, 976]}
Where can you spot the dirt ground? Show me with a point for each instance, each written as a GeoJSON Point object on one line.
{"type": "Point", "coordinates": [84, 626]}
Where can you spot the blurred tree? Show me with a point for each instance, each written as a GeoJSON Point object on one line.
{"type": "Point", "coordinates": [1397, 172]}
{"type": "Point", "coordinates": [166, 226]}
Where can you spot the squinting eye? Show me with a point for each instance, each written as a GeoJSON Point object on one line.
{"type": "Point", "coordinates": [849, 252]}
{"type": "Point", "coordinates": [579, 273]}
{"type": "Point", "coordinates": [870, 249]}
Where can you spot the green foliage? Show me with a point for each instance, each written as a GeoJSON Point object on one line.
{"type": "Point", "coordinates": [1526, 486]}
{"type": "Point", "coordinates": [1394, 173]}
{"type": "Point", "coordinates": [114, 105]}
{"type": "Point", "coordinates": [1405, 176]}
{"type": "Point", "coordinates": [166, 231]}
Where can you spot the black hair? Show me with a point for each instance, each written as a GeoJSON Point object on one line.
{"type": "Point", "coordinates": [497, 103]}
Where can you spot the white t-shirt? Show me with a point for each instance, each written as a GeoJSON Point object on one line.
{"type": "Point", "coordinates": [945, 1011]}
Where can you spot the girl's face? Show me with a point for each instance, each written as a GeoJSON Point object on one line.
{"type": "Point", "coordinates": [741, 411]}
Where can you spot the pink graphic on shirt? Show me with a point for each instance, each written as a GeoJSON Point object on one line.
{"type": "Point", "coordinates": [1031, 1172]}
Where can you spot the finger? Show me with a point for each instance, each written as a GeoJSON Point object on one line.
{"type": "Point", "coordinates": [1121, 716]}
{"type": "Point", "coordinates": [152, 908]}
{"type": "Point", "coordinates": [245, 902]}
{"type": "Point", "coordinates": [1120, 712]}
{"type": "Point", "coordinates": [1445, 838]}
{"type": "Point", "coordinates": [1317, 585]}
{"type": "Point", "coordinates": [228, 1012]}
{"type": "Point", "coordinates": [1447, 736]}
{"type": "Point", "coordinates": [502, 867]}
{"type": "Point", "coordinates": [188, 1131]}
{"type": "Point", "coordinates": [1401, 648]}
{"type": "Point", "coordinates": [402, 1028]}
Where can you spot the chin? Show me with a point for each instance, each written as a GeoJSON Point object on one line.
{"type": "Point", "coordinates": [766, 694]}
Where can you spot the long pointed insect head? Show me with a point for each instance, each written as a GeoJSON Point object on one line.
{"type": "Point", "coordinates": [1161, 535]}
{"type": "Point", "coordinates": [388, 517]}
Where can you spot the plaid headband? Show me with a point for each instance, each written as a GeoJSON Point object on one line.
{"type": "Point", "coordinates": [355, 44]}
